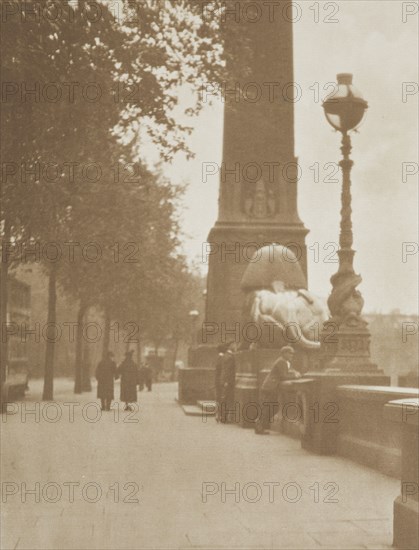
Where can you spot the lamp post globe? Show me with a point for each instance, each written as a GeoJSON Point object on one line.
{"type": "Point", "coordinates": [345, 107]}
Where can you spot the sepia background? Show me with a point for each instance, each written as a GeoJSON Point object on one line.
{"type": "Point", "coordinates": [122, 425]}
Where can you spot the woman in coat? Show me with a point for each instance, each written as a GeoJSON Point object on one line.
{"type": "Point", "coordinates": [105, 374]}
{"type": "Point", "coordinates": [129, 380]}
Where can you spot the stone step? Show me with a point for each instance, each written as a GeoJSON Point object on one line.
{"type": "Point", "coordinates": [206, 408]}
{"type": "Point", "coordinates": [192, 410]}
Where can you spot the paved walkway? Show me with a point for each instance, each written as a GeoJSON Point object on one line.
{"type": "Point", "coordinates": [180, 469]}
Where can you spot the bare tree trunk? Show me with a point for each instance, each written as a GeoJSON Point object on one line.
{"type": "Point", "coordinates": [79, 349]}
{"type": "Point", "coordinates": [86, 384]}
{"type": "Point", "coordinates": [156, 362]}
{"type": "Point", "coordinates": [48, 393]}
{"type": "Point", "coordinates": [4, 296]}
{"type": "Point", "coordinates": [139, 351]}
{"type": "Point", "coordinates": [138, 336]}
{"type": "Point", "coordinates": [106, 335]}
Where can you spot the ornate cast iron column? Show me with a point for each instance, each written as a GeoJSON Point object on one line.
{"type": "Point", "coordinates": [345, 337]}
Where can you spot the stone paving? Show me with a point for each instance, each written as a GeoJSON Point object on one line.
{"type": "Point", "coordinates": [159, 479]}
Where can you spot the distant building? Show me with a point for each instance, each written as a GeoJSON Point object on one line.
{"type": "Point", "coordinates": [394, 344]}
{"type": "Point", "coordinates": [66, 316]}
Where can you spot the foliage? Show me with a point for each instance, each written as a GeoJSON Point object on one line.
{"type": "Point", "coordinates": [73, 169]}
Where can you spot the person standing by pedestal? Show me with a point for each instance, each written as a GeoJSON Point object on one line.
{"type": "Point", "coordinates": [222, 348]}
{"type": "Point", "coordinates": [129, 380]}
{"type": "Point", "coordinates": [228, 383]}
{"type": "Point", "coordinates": [105, 374]}
{"type": "Point", "coordinates": [269, 391]}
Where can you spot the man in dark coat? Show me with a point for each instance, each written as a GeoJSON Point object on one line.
{"type": "Point", "coordinates": [269, 391]}
{"type": "Point", "coordinates": [145, 376]}
{"type": "Point", "coordinates": [222, 348]}
{"type": "Point", "coordinates": [105, 374]}
{"type": "Point", "coordinates": [228, 383]}
{"type": "Point", "coordinates": [129, 380]}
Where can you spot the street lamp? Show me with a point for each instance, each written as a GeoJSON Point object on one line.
{"type": "Point", "coordinates": [345, 336]}
{"type": "Point", "coordinates": [193, 315]}
{"type": "Point", "coordinates": [345, 107]}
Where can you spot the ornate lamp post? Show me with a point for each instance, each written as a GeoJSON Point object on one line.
{"type": "Point", "coordinates": [345, 337]}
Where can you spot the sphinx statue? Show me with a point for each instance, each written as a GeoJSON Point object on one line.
{"type": "Point", "coordinates": [278, 301]}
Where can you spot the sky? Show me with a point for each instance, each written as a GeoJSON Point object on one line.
{"type": "Point", "coordinates": [377, 41]}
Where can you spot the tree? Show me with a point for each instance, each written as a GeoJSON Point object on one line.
{"type": "Point", "coordinates": [138, 64]}
{"type": "Point", "coordinates": [46, 133]}
{"type": "Point", "coordinates": [170, 320]}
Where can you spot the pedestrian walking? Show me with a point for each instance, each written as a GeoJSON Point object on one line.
{"type": "Point", "coordinates": [145, 377]}
{"type": "Point", "coordinates": [269, 391]}
{"type": "Point", "coordinates": [129, 379]}
{"type": "Point", "coordinates": [148, 376]}
{"type": "Point", "coordinates": [105, 374]}
{"type": "Point", "coordinates": [141, 380]}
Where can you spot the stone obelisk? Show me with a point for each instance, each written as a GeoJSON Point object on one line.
{"type": "Point", "coordinates": [258, 187]}
{"type": "Point", "coordinates": [258, 184]}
